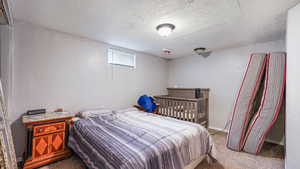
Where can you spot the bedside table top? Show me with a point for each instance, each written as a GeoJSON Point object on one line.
{"type": "Point", "coordinates": [29, 119]}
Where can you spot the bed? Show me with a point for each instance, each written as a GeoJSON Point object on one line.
{"type": "Point", "coordinates": [131, 139]}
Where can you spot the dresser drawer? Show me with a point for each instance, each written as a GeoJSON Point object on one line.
{"type": "Point", "coordinates": [49, 128]}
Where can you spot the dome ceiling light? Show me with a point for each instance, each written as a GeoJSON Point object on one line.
{"type": "Point", "coordinates": [167, 51]}
{"type": "Point", "coordinates": [165, 29]}
{"type": "Point", "coordinates": [202, 51]}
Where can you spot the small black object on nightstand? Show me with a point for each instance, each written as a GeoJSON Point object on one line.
{"type": "Point", "coordinates": [36, 111]}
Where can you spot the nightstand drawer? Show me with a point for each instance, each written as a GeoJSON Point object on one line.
{"type": "Point", "coordinates": [48, 128]}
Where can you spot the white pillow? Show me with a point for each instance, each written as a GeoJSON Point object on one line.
{"type": "Point", "coordinates": [94, 113]}
{"type": "Point", "coordinates": [131, 109]}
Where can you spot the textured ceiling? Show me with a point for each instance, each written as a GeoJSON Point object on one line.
{"type": "Point", "coordinates": [215, 24]}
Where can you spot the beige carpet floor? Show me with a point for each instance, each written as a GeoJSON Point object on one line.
{"type": "Point", "coordinates": [271, 157]}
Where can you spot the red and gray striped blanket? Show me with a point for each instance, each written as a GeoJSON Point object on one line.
{"type": "Point", "coordinates": [138, 140]}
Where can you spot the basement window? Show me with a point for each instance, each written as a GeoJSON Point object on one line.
{"type": "Point", "coordinates": [121, 58]}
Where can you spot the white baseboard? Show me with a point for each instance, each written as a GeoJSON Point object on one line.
{"type": "Point", "coordinates": [218, 129]}
{"type": "Point", "coordinates": [267, 140]}
{"type": "Point", "coordinates": [275, 142]}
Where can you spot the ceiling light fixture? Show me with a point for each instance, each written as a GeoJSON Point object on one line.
{"type": "Point", "coordinates": [202, 51]}
{"type": "Point", "coordinates": [165, 29]}
{"type": "Point", "coordinates": [167, 51]}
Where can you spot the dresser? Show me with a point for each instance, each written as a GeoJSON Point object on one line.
{"type": "Point", "coordinates": [47, 136]}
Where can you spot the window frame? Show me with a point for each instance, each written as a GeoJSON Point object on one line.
{"type": "Point", "coordinates": [110, 61]}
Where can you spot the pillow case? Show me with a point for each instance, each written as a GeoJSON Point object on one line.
{"type": "Point", "coordinates": [94, 112]}
{"type": "Point", "coordinates": [131, 109]}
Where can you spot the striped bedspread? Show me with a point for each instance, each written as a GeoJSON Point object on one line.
{"type": "Point", "coordinates": [138, 140]}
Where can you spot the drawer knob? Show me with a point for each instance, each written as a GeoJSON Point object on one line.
{"type": "Point", "coordinates": [40, 130]}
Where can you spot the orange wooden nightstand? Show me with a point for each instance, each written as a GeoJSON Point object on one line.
{"type": "Point", "coordinates": [47, 138]}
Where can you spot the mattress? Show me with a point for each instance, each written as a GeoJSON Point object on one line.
{"type": "Point", "coordinates": [139, 140]}
{"type": "Point", "coordinates": [271, 103]}
{"type": "Point", "coordinates": [243, 104]}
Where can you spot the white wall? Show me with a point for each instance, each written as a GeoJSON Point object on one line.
{"type": "Point", "coordinates": [57, 70]}
{"type": "Point", "coordinates": [6, 62]}
{"type": "Point", "coordinates": [53, 69]}
{"type": "Point", "coordinates": [293, 90]}
{"type": "Point", "coordinates": [222, 72]}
